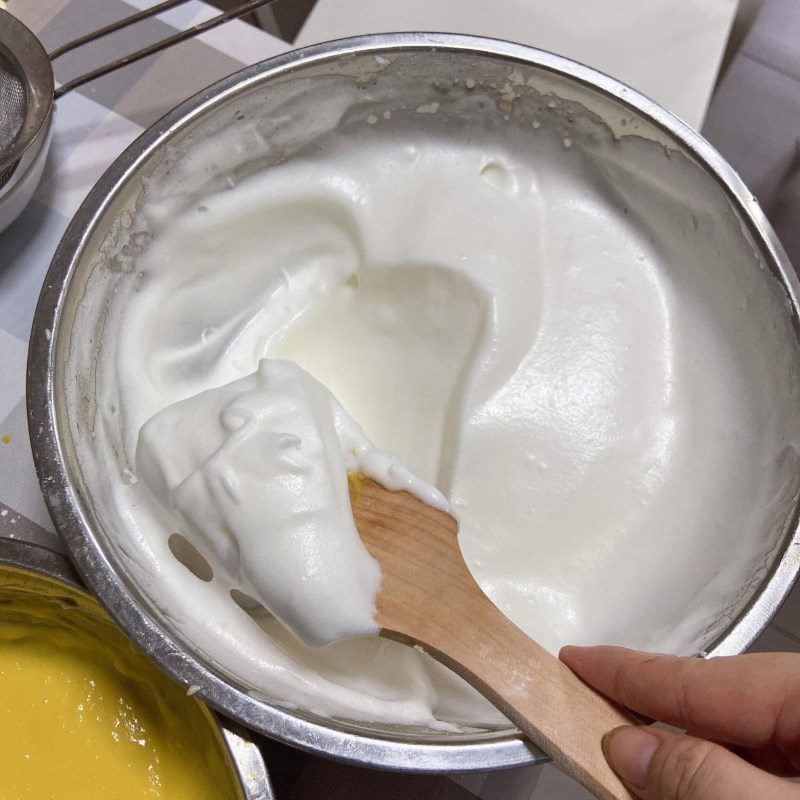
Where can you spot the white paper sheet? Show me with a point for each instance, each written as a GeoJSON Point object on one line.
{"type": "Point", "coordinates": [668, 49]}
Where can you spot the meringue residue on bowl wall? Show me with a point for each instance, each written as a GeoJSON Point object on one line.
{"type": "Point", "coordinates": [552, 335]}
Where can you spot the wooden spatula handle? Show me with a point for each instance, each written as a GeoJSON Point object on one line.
{"type": "Point", "coordinates": [429, 597]}
{"type": "Point", "coordinates": [541, 696]}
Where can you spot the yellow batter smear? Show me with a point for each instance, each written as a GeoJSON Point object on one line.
{"type": "Point", "coordinates": [84, 715]}
{"type": "Point", "coordinates": [355, 481]}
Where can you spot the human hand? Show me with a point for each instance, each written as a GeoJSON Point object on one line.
{"type": "Point", "coordinates": [741, 714]}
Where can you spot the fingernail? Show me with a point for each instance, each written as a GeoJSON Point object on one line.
{"type": "Point", "coordinates": [569, 650]}
{"type": "Point", "coordinates": [565, 651]}
{"type": "Point", "coordinates": [629, 751]}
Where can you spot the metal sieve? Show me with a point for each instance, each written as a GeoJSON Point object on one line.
{"type": "Point", "coordinates": [26, 96]}
{"type": "Point", "coordinates": [27, 93]}
{"type": "Point", "coordinates": [13, 109]}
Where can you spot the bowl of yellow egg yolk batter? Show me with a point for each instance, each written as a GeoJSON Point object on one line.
{"type": "Point", "coordinates": [86, 715]}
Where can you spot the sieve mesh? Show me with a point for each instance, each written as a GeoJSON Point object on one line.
{"type": "Point", "coordinates": [13, 107]}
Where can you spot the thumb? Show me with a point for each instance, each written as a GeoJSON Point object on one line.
{"type": "Point", "coordinates": [661, 765]}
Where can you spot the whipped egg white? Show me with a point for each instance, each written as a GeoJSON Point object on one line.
{"type": "Point", "coordinates": [256, 475]}
{"type": "Point", "coordinates": [554, 338]}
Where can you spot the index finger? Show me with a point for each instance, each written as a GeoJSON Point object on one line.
{"type": "Point", "coordinates": [733, 699]}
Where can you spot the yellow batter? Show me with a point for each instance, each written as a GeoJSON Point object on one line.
{"type": "Point", "coordinates": [84, 715]}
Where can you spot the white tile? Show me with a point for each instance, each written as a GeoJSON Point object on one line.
{"type": "Point", "coordinates": [95, 137]}
{"type": "Point", "coordinates": [75, 118]}
{"type": "Point", "coordinates": [239, 40]}
{"type": "Point", "coordinates": [19, 487]}
{"type": "Point", "coordinates": [179, 17]}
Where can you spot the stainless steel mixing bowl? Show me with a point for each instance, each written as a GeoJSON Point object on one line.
{"type": "Point", "coordinates": [419, 67]}
{"type": "Point", "coordinates": [59, 578]}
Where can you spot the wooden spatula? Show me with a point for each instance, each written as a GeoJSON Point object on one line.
{"type": "Point", "coordinates": [429, 598]}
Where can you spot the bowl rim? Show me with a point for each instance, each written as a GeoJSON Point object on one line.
{"type": "Point", "coordinates": [247, 763]}
{"type": "Point", "coordinates": [71, 519]}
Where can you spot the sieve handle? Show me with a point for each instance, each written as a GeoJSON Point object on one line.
{"type": "Point", "coordinates": [181, 36]}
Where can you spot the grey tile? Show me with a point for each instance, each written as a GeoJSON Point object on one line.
{"type": "Point", "coordinates": [553, 784]}
{"type": "Point", "coordinates": [82, 16]}
{"type": "Point", "coordinates": [518, 783]}
{"type": "Point", "coordinates": [754, 121]}
{"type": "Point", "coordinates": [471, 781]}
{"type": "Point", "coordinates": [26, 248]}
{"type": "Point", "coordinates": [177, 74]}
{"type": "Point", "coordinates": [782, 206]}
{"type": "Point", "coordinates": [773, 640]}
{"type": "Point", "coordinates": [774, 39]}
{"type": "Point", "coordinates": [788, 617]}
{"type": "Point", "coordinates": [13, 358]}
{"type": "Point", "coordinates": [14, 525]}
{"type": "Point", "coordinates": [35, 15]}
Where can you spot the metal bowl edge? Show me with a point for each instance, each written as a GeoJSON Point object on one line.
{"type": "Point", "coordinates": [70, 518]}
